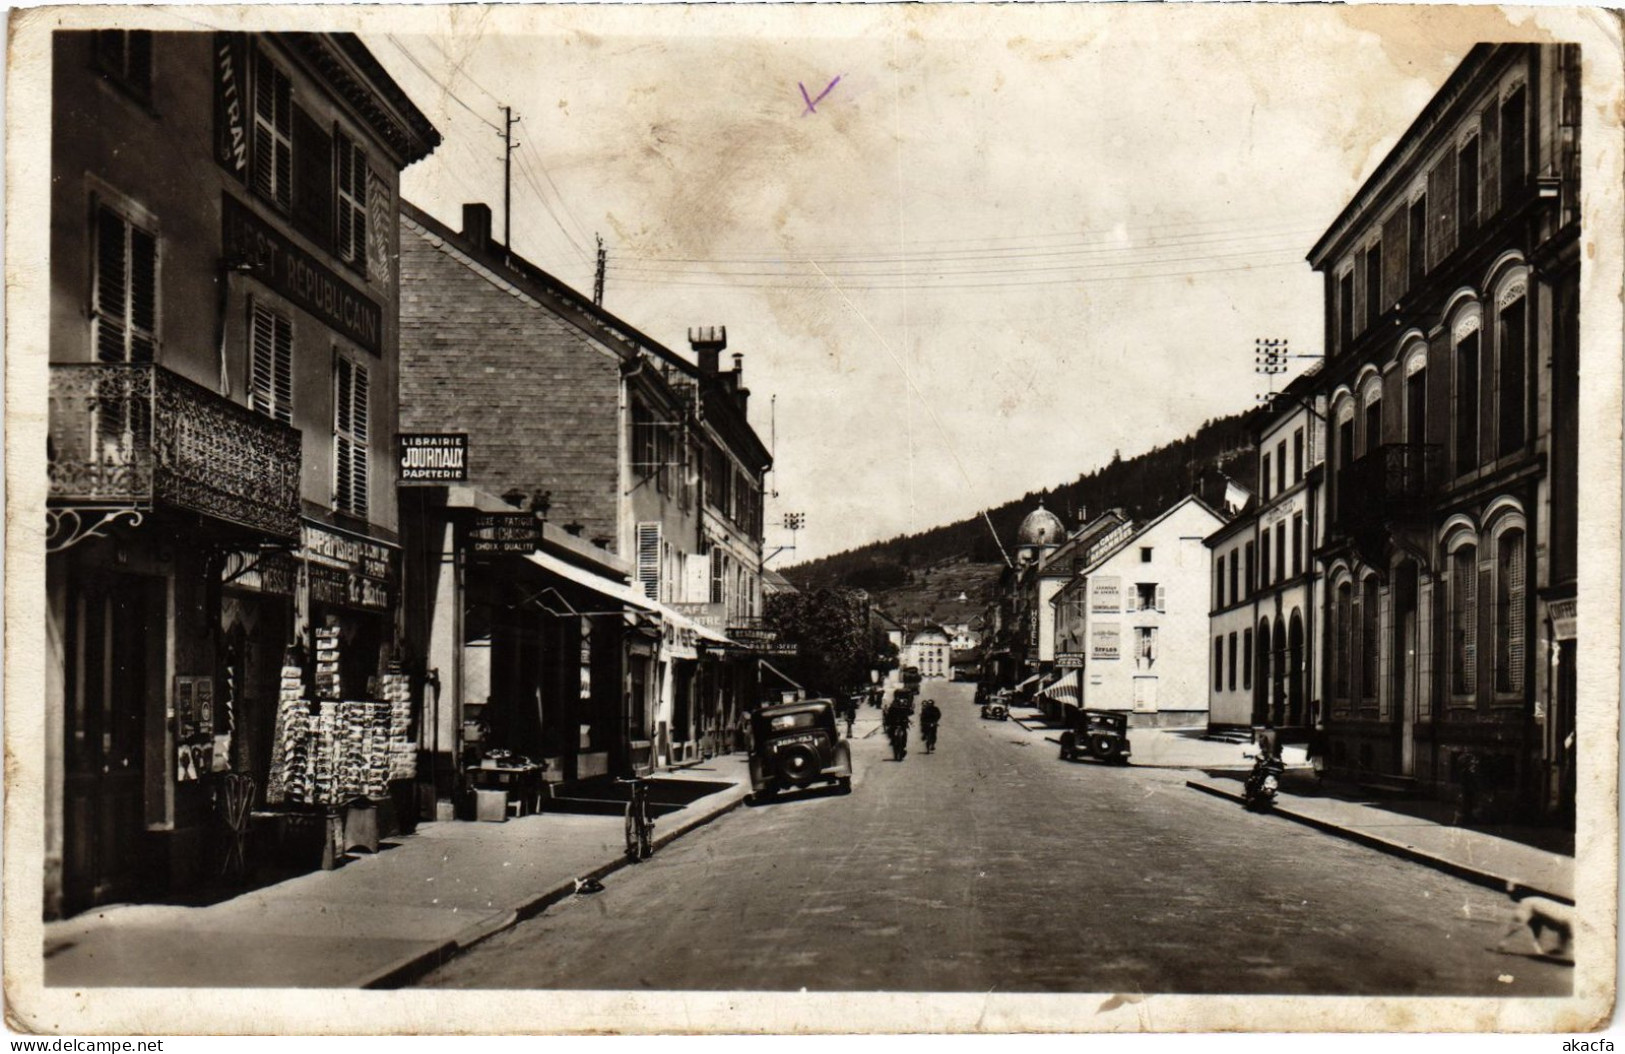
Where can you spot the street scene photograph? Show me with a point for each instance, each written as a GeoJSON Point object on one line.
{"type": "Point", "coordinates": [779, 518]}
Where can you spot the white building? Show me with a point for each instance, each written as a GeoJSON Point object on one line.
{"type": "Point", "coordinates": [929, 649]}
{"type": "Point", "coordinates": [1138, 614]}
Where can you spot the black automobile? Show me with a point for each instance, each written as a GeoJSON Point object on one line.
{"type": "Point", "coordinates": [794, 746]}
{"type": "Point", "coordinates": [1098, 734]}
{"type": "Point", "coordinates": [996, 707]}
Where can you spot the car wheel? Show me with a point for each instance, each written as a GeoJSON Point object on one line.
{"type": "Point", "coordinates": [1101, 746]}
{"type": "Point", "coordinates": [798, 763]}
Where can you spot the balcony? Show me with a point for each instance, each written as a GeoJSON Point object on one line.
{"type": "Point", "coordinates": [1393, 484]}
{"type": "Point", "coordinates": [136, 436]}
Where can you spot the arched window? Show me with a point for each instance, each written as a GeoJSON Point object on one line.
{"type": "Point", "coordinates": [1416, 395]}
{"type": "Point", "coordinates": [1509, 612]}
{"type": "Point", "coordinates": [1371, 399]}
{"type": "Point", "coordinates": [1369, 638]}
{"type": "Point", "coordinates": [1464, 409]}
{"type": "Point", "coordinates": [1342, 634]}
{"type": "Point", "coordinates": [1511, 366]}
{"type": "Point", "coordinates": [1464, 621]}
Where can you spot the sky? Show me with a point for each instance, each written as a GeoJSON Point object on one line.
{"type": "Point", "coordinates": [965, 253]}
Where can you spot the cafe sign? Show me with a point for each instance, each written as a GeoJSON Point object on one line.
{"type": "Point", "coordinates": [346, 570]}
{"type": "Point", "coordinates": [429, 458]}
{"type": "Point", "coordinates": [273, 258]}
{"type": "Point", "coordinates": [496, 533]}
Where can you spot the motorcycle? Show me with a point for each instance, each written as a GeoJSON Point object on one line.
{"type": "Point", "coordinates": [1263, 782]}
{"type": "Point", "coordinates": [898, 734]}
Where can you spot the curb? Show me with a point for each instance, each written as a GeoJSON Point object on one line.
{"type": "Point", "coordinates": [1478, 876]}
{"type": "Point", "coordinates": [413, 966]}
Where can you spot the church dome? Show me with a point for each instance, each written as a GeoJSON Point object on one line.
{"type": "Point", "coordinates": [1041, 527]}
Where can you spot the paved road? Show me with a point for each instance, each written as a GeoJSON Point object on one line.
{"type": "Point", "coordinates": [992, 865]}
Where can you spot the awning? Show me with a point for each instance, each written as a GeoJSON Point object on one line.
{"type": "Point", "coordinates": [1028, 681]}
{"type": "Point", "coordinates": [780, 674]}
{"type": "Point", "coordinates": [606, 587]}
{"type": "Point", "coordinates": [1067, 689]}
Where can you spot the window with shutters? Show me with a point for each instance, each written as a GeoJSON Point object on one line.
{"type": "Point", "coordinates": [273, 133]}
{"type": "Point", "coordinates": [270, 365]}
{"type": "Point", "coordinates": [1416, 248]}
{"type": "Point", "coordinates": [350, 412]}
{"type": "Point", "coordinates": [1369, 638]}
{"type": "Point", "coordinates": [1514, 163]}
{"type": "Point", "coordinates": [1511, 409]}
{"type": "Point", "coordinates": [1466, 408]}
{"type": "Point", "coordinates": [124, 294]}
{"type": "Point", "coordinates": [352, 210]}
{"type": "Point", "coordinates": [1145, 646]}
{"type": "Point", "coordinates": [125, 59]}
{"type": "Point", "coordinates": [1374, 304]}
{"type": "Point", "coordinates": [1509, 612]}
{"type": "Point", "coordinates": [1467, 185]}
{"type": "Point", "coordinates": [719, 567]}
{"type": "Point", "coordinates": [1345, 311]}
{"type": "Point", "coordinates": [1342, 640]}
{"type": "Point", "coordinates": [644, 457]}
{"type": "Point", "coordinates": [648, 559]}
{"type": "Point", "coordinates": [1246, 658]}
{"type": "Point", "coordinates": [1464, 621]}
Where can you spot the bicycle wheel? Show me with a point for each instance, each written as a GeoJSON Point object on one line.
{"type": "Point", "coordinates": [646, 838]}
{"type": "Point", "coordinates": [632, 838]}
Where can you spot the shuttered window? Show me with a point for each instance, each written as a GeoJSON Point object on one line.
{"type": "Point", "coordinates": [1467, 185]}
{"type": "Point", "coordinates": [718, 582]}
{"type": "Point", "coordinates": [350, 413]}
{"type": "Point", "coordinates": [125, 58]}
{"type": "Point", "coordinates": [1509, 613]}
{"type": "Point", "coordinates": [124, 298]}
{"type": "Point", "coordinates": [352, 212]}
{"type": "Point", "coordinates": [1466, 408]}
{"type": "Point", "coordinates": [270, 368]}
{"type": "Point", "coordinates": [273, 133]}
{"type": "Point", "coordinates": [1511, 411]}
{"type": "Point", "coordinates": [1514, 163]}
{"type": "Point", "coordinates": [1416, 251]}
{"type": "Point", "coordinates": [1464, 621]}
{"type": "Point", "coordinates": [1374, 303]}
{"type": "Point", "coordinates": [648, 565]}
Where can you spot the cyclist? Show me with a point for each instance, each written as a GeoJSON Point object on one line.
{"type": "Point", "coordinates": [929, 716]}
{"type": "Point", "coordinates": [899, 715]}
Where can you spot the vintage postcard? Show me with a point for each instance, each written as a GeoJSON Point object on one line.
{"type": "Point", "coordinates": [812, 518]}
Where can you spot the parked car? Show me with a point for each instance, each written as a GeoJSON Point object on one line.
{"type": "Point", "coordinates": [1098, 734]}
{"type": "Point", "coordinates": [995, 710]}
{"type": "Point", "coordinates": [795, 745]}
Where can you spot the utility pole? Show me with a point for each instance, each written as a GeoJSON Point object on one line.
{"type": "Point", "coordinates": [598, 275]}
{"type": "Point", "coordinates": [508, 121]}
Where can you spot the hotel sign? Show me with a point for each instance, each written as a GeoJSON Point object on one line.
{"type": "Point", "coordinates": [426, 458]}
{"type": "Point", "coordinates": [274, 259]}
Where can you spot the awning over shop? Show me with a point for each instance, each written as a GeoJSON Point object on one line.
{"type": "Point", "coordinates": [1067, 689]}
{"type": "Point", "coordinates": [780, 673]}
{"type": "Point", "coordinates": [1028, 682]}
{"type": "Point", "coordinates": [626, 594]}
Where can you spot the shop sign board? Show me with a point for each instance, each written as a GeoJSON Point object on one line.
{"type": "Point", "coordinates": [433, 458]}
{"type": "Point", "coordinates": [752, 637]}
{"type": "Point", "coordinates": [492, 533]}
{"type": "Point", "coordinates": [1069, 660]}
{"type": "Point", "coordinates": [231, 103]}
{"type": "Point", "coordinates": [1563, 618]}
{"type": "Point", "coordinates": [1105, 641]}
{"type": "Point", "coordinates": [1104, 593]}
{"type": "Point", "coordinates": [711, 616]}
{"type": "Point", "coordinates": [346, 570]}
{"type": "Point", "coordinates": [272, 257]}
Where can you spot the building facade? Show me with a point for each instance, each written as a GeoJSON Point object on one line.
{"type": "Point", "coordinates": [1452, 291]}
{"type": "Point", "coordinates": [223, 348]}
{"type": "Point", "coordinates": [1137, 614]}
{"type": "Point", "coordinates": [930, 650]}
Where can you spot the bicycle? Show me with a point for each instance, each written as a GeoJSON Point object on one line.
{"type": "Point", "coordinates": [928, 733]}
{"type": "Point", "coordinates": [640, 829]}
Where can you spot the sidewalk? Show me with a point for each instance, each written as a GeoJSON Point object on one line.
{"type": "Point", "coordinates": [1498, 857]}
{"type": "Point", "coordinates": [379, 920]}
{"type": "Point", "coordinates": [1523, 858]}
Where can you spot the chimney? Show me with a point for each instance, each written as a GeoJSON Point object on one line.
{"type": "Point", "coordinates": [477, 224]}
{"type": "Point", "coordinates": [708, 343]}
{"type": "Point", "coordinates": [741, 393]}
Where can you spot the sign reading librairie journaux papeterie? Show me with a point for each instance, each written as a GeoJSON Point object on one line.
{"type": "Point", "coordinates": [438, 458]}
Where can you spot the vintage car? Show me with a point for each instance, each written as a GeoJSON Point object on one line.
{"type": "Point", "coordinates": [795, 745]}
{"type": "Point", "coordinates": [996, 708]}
{"type": "Point", "coordinates": [1098, 734]}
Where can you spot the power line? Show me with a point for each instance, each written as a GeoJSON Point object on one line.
{"type": "Point", "coordinates": [541, 166]}
{"type": "Point", "coordinates": [441, 84]}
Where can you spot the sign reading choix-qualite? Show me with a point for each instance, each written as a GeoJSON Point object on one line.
{"type": "Point", "coordinates": [492, 533]}
{"type": "Point", "coordinates": [274, 259]}
{"type": "Point", "coordinates": [433, 458]}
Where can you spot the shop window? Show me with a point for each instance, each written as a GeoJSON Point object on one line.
{"type": "Point", "coordinates": [1509, 613]}
{"type": "Point", "coordinates": [273, 133]}
{"type": "Point", "coordinates": [352, 210]}
{"type": "Point", "coordinates": [350, 437]}
{"type": "Point", "coordinates": [1510, 382]}
{"type": "Point", "coordinates": [270, 371]}
{"type": "Point", "coordinates": [124, 295]}
{"type": "Point", "coordinates": [1464, 621]}
{"type": "Point", "coordinates": [125, 58]}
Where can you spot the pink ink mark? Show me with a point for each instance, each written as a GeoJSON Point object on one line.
{"type": "Point", "coordinates": [812, 103]}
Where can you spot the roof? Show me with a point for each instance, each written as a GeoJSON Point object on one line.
{"type": "Point", "coordinates": [1090, 533]}
{"type": "Point", "coordinates": [1153, 524]}
{"type": "Point", "coordinates": [1041, 527]}
{"type": "Point", "coordinates": [361, 80]}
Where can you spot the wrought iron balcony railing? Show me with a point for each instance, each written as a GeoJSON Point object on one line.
{"type": "Point", "coordinates": [1393, 483]}
{"type": "Point", "coordinates": [136, 435]}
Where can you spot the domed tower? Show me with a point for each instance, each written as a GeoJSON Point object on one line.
{"type": "Point", "coordinates": [1040, 533]}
